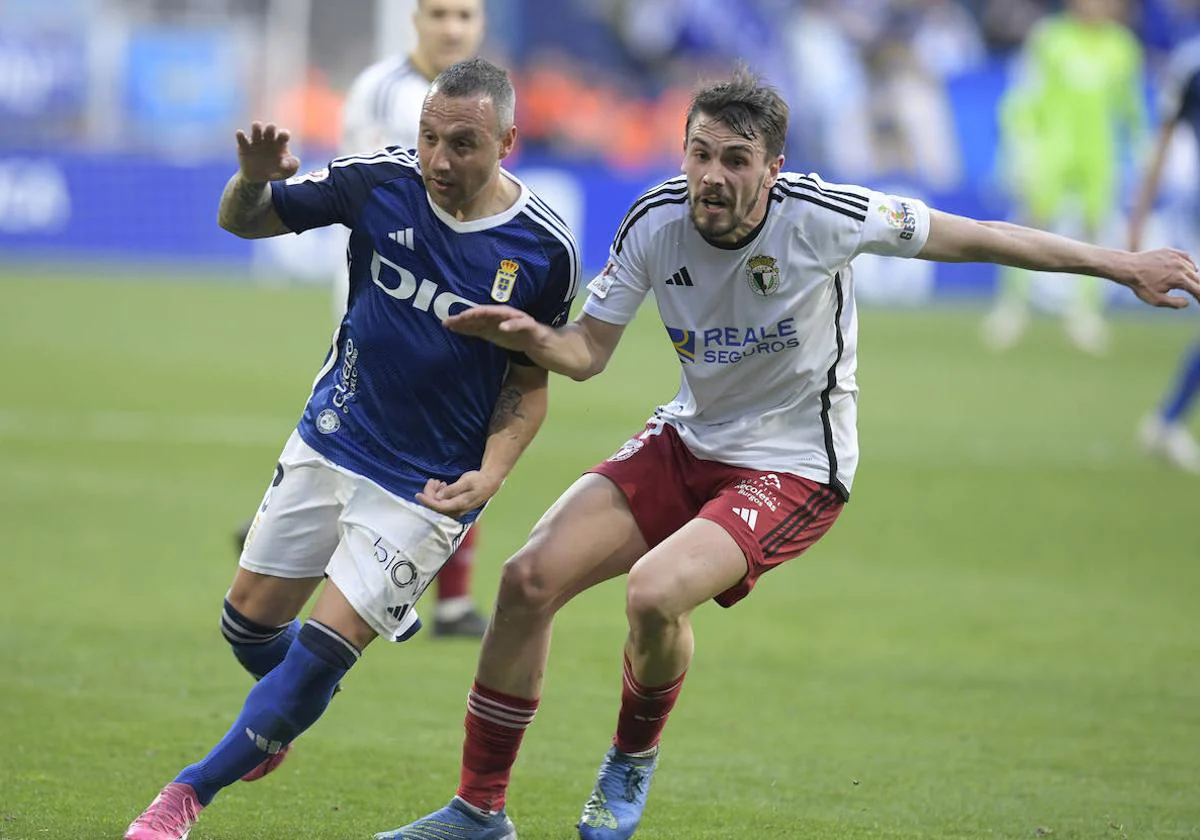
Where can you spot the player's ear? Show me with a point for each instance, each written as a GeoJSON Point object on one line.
{"type": "Point", "coordinates": [507, 140]}
{"type": "Point", "coordinates": [773, 170]}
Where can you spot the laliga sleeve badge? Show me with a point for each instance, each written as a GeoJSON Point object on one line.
{"type": "Point", "coordinates": [602, 282]}
{"type": "Point", "coordinates": [506, 278]}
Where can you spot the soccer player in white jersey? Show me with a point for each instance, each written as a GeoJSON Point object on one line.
{"type": "Point", "coordinates": [751, 462]}
{"type": "Point", "coordinates": [409, 429]}
{"type": "Point", "coordinates": [383, 108]}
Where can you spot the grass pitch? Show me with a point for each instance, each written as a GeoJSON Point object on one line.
{"type": "Point", "coordinates": [998, 640]}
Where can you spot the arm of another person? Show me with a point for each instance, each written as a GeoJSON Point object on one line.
{"type": "Point", "coordinates": [518, 414]}
{"type": "Point", "coordinates": [1149, 274]}
{"type": "Point", "coordinates": [1148, 188]}
{"type": "Point", "coordinates": [246, 208]}
{"type": "Point", "coordinates": [580, 349]}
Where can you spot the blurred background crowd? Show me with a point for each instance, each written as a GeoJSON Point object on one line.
{"type": "Point", "coordinates": [870, 81]}
{"type": "Point", "coordinates": [97, 95]}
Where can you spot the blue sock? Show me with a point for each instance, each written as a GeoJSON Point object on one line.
{"type": "Point", "coordinates": [1187, 385]}
{"type": "Point", "coordinates": [258, 647]}
{"type": "Point", "coordinates": [281, 705]}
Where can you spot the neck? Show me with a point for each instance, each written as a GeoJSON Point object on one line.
{"type": "Point", "coordinates": [499, 194]}
{"type": "Point", "coordinates": [425, 68]}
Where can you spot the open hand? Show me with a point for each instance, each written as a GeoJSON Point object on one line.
{"type": "Point", "coordinates": [264, 155]}
{"type": "Point", "coordinates": [469, 492]}
{"type": "Point", "coordinates": [505, 326]}
{"type": "Point", "coordinates": [1155, 273]}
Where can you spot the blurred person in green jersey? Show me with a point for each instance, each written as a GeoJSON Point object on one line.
{"type": "Point", "coordinates": [1077, 98]}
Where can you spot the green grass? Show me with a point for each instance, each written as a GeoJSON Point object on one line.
{"type": "Point", "coordinates": [999, 638]}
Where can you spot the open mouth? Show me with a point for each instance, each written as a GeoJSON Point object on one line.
{"type": "Point", "coordinates": [713, 202]}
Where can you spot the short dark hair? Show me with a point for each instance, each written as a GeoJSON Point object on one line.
{"type": "Point", "coordinates": [479, 77]}
{"type": "Point", "coordinates": [746, 104]}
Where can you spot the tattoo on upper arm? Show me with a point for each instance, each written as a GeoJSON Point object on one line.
{"type": "Point", "coordinates": [246, 209]}
{"type": "Point", "coordinates": [508, 407]}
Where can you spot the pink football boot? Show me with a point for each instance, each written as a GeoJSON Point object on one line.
{"type": "Point", "coordinates": [170, 816]}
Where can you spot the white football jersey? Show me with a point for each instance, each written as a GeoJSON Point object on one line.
{"type": "Point", "coordinates": [383, 107]}
{"type": "Point", "coordinates": [766, 334]}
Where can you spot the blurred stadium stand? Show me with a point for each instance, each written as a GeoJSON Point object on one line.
{"type": "Point", "coordinates": [116, 116]}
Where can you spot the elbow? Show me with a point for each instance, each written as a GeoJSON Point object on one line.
{"type": "Point", "coordinates": [584, 374]}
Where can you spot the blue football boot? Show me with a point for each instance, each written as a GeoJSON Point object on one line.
{"type": "Point", "coordinates": [615, 807]}
{"type": "Point", "coordinates": [457, 821]}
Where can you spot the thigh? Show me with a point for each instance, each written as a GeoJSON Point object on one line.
{"type": "Point", "coordinates": [588, 536]}
{"type": "Point", "coordinates": [296, 527]}
{"type": "Point", "coordinates": [698, 562]}
{"type": "Point", "coordinates": [390, 551]}
{"type": "Point", "coordinates": [773, 517]}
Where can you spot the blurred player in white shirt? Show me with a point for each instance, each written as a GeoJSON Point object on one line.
{"type": "Point", "coordinates": [383, 108]}
{"type": "Point", "coordinates": [750, 463]}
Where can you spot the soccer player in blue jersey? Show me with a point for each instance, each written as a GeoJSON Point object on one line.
{"type": "Point", "coordinates": [383, 108]}
{"type": "Point", "coordinates": [1164, 431]}
{"type": "Point", "coordinates": [410, 428]}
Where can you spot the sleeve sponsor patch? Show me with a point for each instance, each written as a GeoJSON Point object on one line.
{"type": "Point", "coordinates": [602, 282]}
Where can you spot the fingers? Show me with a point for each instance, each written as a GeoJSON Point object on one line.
{"type": "Point", "coordinates": [264, 134]}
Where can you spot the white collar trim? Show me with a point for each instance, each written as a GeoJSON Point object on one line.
{"type": "Point", "coordinates": [487, 222]}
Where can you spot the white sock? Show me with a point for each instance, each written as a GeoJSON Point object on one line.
{"type": "Point", "coordinates": [452, 609]}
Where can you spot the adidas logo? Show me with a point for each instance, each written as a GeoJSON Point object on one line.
{"type": "Point", "coordinates": [397, 613]}
{"type": "Point", "coordinates": [265, 744]}
{"type": "Point", "coordinates": [748, 515]}
{"type": "Point", "coordinates": [405, 238]}
{"type": "Point", "coordinates": [680, 278]}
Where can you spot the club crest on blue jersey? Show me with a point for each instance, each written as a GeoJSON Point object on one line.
{"type": "Point", "coordinates": [763, 274]}
{"type": "Point", "coordinates": [506, 278]}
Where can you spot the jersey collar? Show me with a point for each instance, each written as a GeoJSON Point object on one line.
{"type": "Point", "coordinates": [487, 222]}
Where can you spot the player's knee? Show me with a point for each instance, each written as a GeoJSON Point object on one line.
{"type": "Point", "coordinates": [524, 585]}
{"type": "Point", "coordinates": [648, 600]}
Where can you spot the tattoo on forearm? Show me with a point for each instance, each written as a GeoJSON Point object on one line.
{"type": "Point", "coordinates": [508, 407]}
{"type": "Point", "coordinates": [245, 207]}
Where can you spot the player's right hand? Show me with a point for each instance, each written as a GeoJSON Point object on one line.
{"type": "Point", "coordinates": [264, 155]}
{"type": "Point", "coordinates": [505, 326]}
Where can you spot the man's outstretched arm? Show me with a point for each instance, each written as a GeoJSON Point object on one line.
{"type": "Point", "coordinates": [580, 349]}
{"type": "Point", "coordinates": [1149, 274]}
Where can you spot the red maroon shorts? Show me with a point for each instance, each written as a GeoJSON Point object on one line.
{"type": "Point", "coordinates": [771, 516]}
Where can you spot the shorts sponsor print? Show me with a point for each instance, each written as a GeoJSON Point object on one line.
{"type": "Point", "coordinates": [381, 551]}
{"type": "Point", "coordinates": [772, 516]}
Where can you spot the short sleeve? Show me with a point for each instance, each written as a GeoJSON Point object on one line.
{"type": "Point", "coordinates": [894, 226]}
{"type": "Point", "coordinates": [337, 193]}
{"type": "Point", "coordinates": [312, 200]}
{"type": "Point", "coordinates": [615, 294]}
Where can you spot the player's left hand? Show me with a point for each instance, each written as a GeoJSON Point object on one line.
{"type": "Point", "coordinates": [1155, 273]}
{"type": "Point", "coordinates": [470, 491]}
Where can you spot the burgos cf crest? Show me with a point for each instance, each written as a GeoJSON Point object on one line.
{"type": "Point", "coordinates": [763, 273]}
{"type": "Point", "coordinates": [506, 278]}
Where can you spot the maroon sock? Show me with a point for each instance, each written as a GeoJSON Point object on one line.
{"type": "Point", "coordinates": [495, 725]}
{"type": "Point", "coordinates": [454, 580]}
{"type": "Point", "coordinates": [644, 712]}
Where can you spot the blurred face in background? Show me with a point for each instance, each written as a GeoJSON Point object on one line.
{"type": "Point", "coordinates": [460, 144]}
{"type": "Point", "coordinates": [1097, 11]}
{"type": "Point", "coordinates": [448, 31]}
{"type": "Point", "coordinates": [729, 180]}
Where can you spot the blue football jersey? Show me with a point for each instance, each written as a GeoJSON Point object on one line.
{"type": "Point", "coordinates": [400, 399]}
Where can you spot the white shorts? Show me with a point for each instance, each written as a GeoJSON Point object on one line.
{"type": "Point", "coordinates": [380, 550]}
